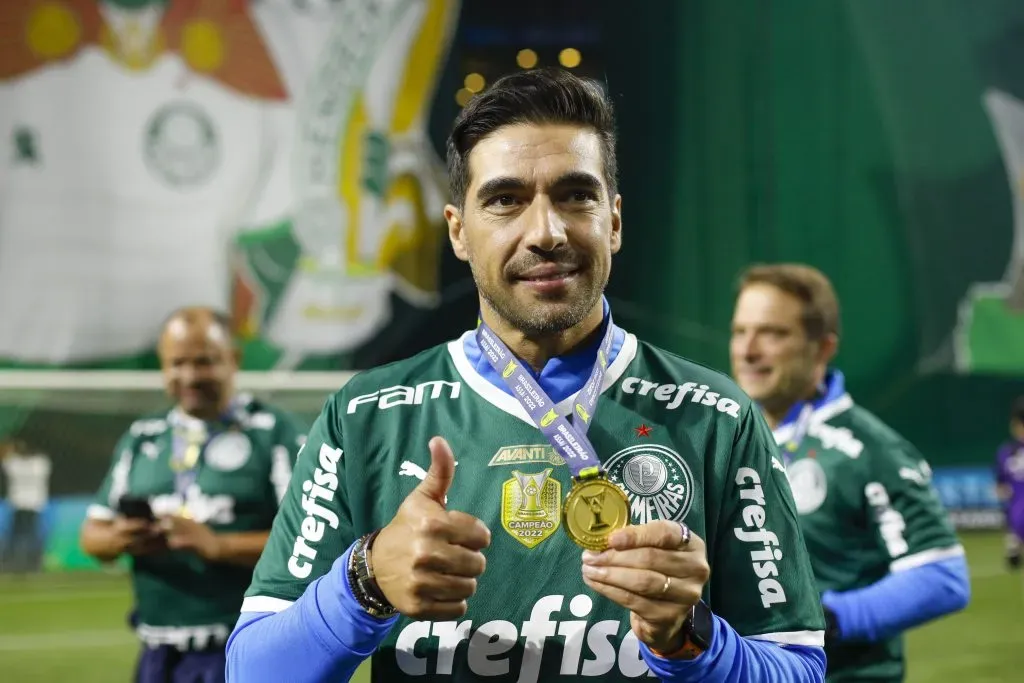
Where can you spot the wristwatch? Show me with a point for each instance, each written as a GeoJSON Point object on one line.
{"type": "Point", "coordinates": [364, 586]}
{"type": "Point", "coordinates": [698, 630]}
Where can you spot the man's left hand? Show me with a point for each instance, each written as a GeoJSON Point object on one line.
{"type": "Point", "coordinates": [652, 572]}
{"type": "Point", "coordinates": [184, 533]}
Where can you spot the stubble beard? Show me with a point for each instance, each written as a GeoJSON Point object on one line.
{"type": "Point", "coordinates": [546, 319]}
{"type": "Point", "coordinates": [792, 389]}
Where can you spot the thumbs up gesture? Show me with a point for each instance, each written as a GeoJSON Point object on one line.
{"type": "Point", "coordinates": [427, 559]}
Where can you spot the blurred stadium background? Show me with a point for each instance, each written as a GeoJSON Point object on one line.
{"type": "Point", "coordinates": [881, 142]}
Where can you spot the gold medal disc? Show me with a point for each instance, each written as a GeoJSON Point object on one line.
{"type": "Point", "coordinates": [594, 508]}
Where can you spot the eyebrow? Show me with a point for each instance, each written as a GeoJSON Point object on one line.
{"type": "Point", "coordinates": [501, 184]}
{"type": "Point", "coordinates": [579, 179]}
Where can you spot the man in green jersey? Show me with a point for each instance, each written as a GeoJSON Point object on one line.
{"type": "Point", "coordinates": [190, 497]}
{"type": "Point", "coordinates": [424, 525]}
{"type": "Point", "coordinates": [885, 556]}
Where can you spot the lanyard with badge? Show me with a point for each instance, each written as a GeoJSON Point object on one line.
{"type": "Point", "coordinates": [595, 506]}
{"type": "Point", "coordinates": [803, 424]}
{"type": "Point", "coordinates": [190, 435]}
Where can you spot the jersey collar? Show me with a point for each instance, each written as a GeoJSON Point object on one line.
{"type": "Point", "coordinates": [236, 413]}
{"type": "Point", "coordinates": [830, 400]}
{"type": "Point", "coordinates": [561, 378]}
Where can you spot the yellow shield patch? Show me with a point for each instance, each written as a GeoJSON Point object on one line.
{"type": "Point", "coordinates": [531, 506]}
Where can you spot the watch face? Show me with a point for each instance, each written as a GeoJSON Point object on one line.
{"type": "Point", "coordinates": [701, 625]}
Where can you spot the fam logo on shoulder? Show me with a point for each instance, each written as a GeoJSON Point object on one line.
{"type": "Point", "coordinates": [656, 479]}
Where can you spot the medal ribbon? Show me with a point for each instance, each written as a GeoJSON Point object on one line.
{"type": "Point", "coordinates": [831, 389]}
{"type": "Point", "coordinates": [569, 439]}
{"type": "Point", "coordinates": [803, 423]}
{"type": "Point", "coordinates": [190, 435]}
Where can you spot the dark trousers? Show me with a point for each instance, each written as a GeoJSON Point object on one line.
{"type": "Point", "coordinates": [166, 664]}
{"type": "Point", "coordinates": [24, 550]}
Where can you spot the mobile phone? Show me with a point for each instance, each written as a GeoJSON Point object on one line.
{"type": "Point", "coordinates": [135, 507]}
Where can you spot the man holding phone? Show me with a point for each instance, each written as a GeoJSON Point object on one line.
{"type": "Point", "coordinates": [190, 497]}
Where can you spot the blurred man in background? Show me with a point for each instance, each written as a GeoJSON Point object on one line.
{"type": "Point", "coordinates": [885, 555]}
{"type": "Point", "coordinates": [1010, 483]}
{"type": "Point", "coordinates": [190, 497]}
{"type": "Point", "coordinates": [27, 476]}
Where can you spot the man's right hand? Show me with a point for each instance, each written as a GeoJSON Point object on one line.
{"type": "Point", "coordinates": [135, 536]}
{"type": "Point", "coordinates": [107, 539]}
{"type": "Point", "coordinates": [427, 558]}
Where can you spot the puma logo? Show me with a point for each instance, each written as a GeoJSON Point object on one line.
{"type": "Point", "coordinates": [411, 469]}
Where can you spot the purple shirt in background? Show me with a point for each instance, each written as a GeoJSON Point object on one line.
{"type": "Point", "coordinates": [1010, 472]}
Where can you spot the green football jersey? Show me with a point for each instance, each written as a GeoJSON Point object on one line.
{"type": "Point", "coordinates": [242, 474]}
{"type": "Point", "coordinates": [867, 508]}
{"type": "Point", "coordinates": [682, 441]}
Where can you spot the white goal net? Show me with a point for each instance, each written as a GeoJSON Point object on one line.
{"type": "Point", "coordinates": [76, 417]}
{"type": "Point", "coordinates": [135, 392]}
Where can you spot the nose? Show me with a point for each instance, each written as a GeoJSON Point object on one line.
{"type": "Point", "coordinates": [187, 373]}
{"type": "Point", "coordinates": [753, 352]}
{"type": "Point", "coordinates": [745, 346]}
{"type": "Point", "coordinates": [546, 229]}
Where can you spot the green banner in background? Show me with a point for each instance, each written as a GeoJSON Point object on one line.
{"type": "Point", "coordinates": [879, 141]}
{"type": "Point", "coordinates": [853, 136]}
{"type": "Point", "coordinates": [990, 329]}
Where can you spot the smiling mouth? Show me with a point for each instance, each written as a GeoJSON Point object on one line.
{"type": "Point", "coordinates": [548, 272]}
{"type": "Point", "coordinates": [549, 277]}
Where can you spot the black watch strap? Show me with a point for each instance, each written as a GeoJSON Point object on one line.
{"type": "Point", "coordinates": [698, 631]}
{"type": "Point", "coordinates": [701, 625]}
{"type": "Point", "coordinates": [364, 586]}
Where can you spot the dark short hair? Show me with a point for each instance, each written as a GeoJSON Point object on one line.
{"type": "Point", "coordinates": [820, 304]}
{"type": "Point", "coordinates": [538, 96]}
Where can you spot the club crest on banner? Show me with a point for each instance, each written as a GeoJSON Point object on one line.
{"type": "Point", "coordinates": [181, 144]}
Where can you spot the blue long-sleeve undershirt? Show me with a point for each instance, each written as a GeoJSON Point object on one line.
{"type": "Point", "coordinates": [324, 636]}
{"type": "Point", "coordinates": [901, 600]}
{"type": "Point", "coordinates": [732, 657]}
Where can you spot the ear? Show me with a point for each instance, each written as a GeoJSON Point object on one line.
{"type": "Point", "coordinates": [827, 348]}
{"type": "Point", "coordinates": [616, 236]}
{"type": "Point", "coordinates": [456, 232]}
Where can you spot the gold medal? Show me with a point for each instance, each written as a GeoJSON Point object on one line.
{"type": "Point", "coordinates": [594, 508]}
